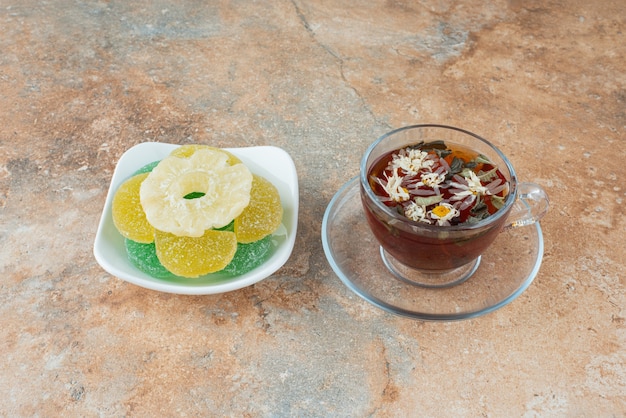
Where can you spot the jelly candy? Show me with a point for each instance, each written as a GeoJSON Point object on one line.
{"type": "Point", "coordinates": [143, 256]}
{"type": "Point", "coordinates": [147, 168]}
{"type": "Point", "coordinates": [195, 256]}
{"type": "Point", "coordinates": [249, 256]}
{"type": "Point", "coordinates": [263, 215]}
{"type": "Point", "coordinates": [128, 216]}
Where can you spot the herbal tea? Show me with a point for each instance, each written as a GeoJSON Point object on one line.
{"type": "Point", "coordinates": [439, 184]}
{"type": "Point", "coordinates": [444, 187]}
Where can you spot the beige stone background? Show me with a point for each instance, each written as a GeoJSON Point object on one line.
{"type": "Point", "coordinates": [83, 81]}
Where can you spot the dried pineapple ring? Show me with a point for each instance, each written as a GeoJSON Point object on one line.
{"type": "Point", "coordinates": [263, 215]}
{"type": "Point", "coordinates": [224, 192]}
{"type": "Point", "coordinates": [195, 256]}
{"type": "Point", "coordinates": [186, 151]}
{"type": "Point", "coordinates": [128, 217]}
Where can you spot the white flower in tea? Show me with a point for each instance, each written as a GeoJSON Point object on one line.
{"type": "Point", "coordinates": [416, 212]}
{"type": "Point", "coordinates": [443, 213]}
{"type": "Point", "coordinates": [469, 187]}
{"type": "Point", "coordinates": [393, 187]}
{"type": "Point", "coordinates": [429, 183]}
{"type": "Point", "coordinates": [412, 161]}
{"type": "Point", "coordinates": [432, 179]}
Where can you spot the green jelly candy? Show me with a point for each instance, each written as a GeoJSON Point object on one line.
{"type": "Point", "coordinates": [143, 256]}
{"type": "Point", "coordinates": [229, 227]}
{"type": "Point", "coordinates": [249, 256]}
{"type": "Point", "coordinates": [147, 168]}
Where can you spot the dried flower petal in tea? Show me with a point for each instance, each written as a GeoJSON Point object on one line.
{"type": "Point", "coordinates": [439, 184]}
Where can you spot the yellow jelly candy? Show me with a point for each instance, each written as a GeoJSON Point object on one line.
{"type": "Point", "coordinates": [263, 215]}
{"type": "Point", "coordinates": [128, 216]}
{"type": "Point", "coordinates": [195, 256]}
{"type": "Point", "coordinates": [186, 151]}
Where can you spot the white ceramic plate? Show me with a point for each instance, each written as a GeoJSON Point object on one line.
{"type": "Point", "coordinates": [270, 162]}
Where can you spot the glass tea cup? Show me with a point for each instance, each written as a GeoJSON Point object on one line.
{"type": "Point", "coordinates": [433, 255]}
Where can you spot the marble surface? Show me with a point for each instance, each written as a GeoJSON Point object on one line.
{"type": "Point", "coordinates": [81, 82]}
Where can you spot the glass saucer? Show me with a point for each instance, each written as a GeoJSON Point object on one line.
{"type": "Point", "coordinates": [506, 269]}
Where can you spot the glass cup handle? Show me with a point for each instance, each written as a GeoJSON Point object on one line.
{"type": "Point", "coordinates": [530, 206]}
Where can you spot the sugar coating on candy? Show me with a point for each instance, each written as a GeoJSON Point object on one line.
{"type": "Point", "coordinates": [143, 256]}
{"type": "Point", "coordinates": [263, 215]}
{"type": "Point", "coordinates": [128, 216]}
{"type": "Point", "coordinates": [249, 256]}
{"type": "Point", "coordinates": [195, 256]}
{"type": "Point", "coordinates": [224, 192]}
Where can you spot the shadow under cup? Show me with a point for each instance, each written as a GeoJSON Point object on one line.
{"type": "Point", "coordinates": [424, 254]}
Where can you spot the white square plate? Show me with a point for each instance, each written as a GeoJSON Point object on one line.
{"type": "Point", "coordinates": [270, 162]}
